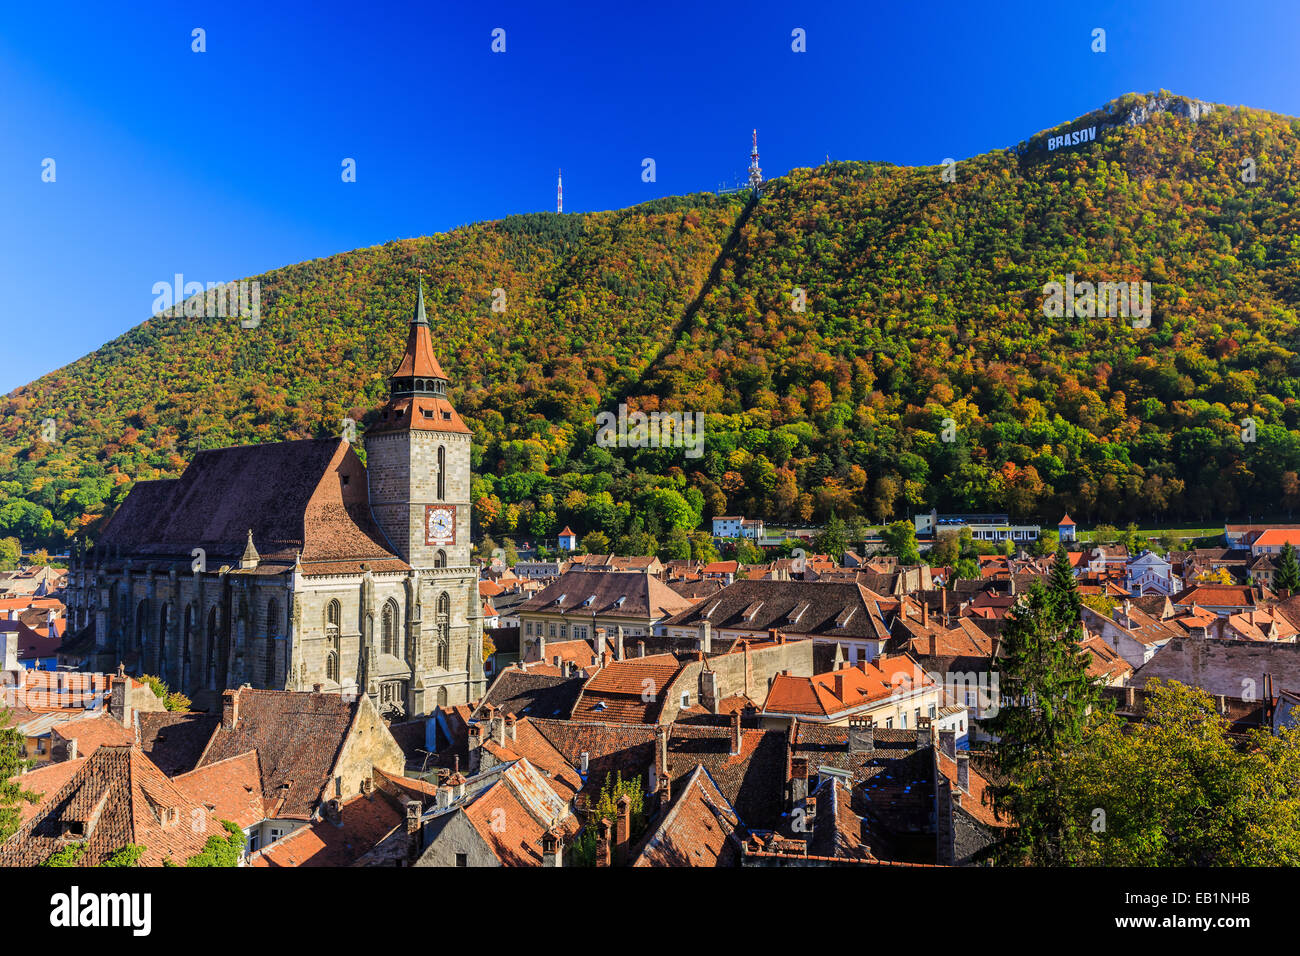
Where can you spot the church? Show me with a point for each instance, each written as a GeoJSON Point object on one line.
{"type": "Point", "coordinates": [296, 566]}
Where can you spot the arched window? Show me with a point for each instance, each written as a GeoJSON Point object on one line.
{"type": "Point", "coordinates": [390, 641]}
{"type": "Point", "coordinates": [332, 667]}
{"type": "Point", "coordinates": [443, 620]}
{"type": "Point", "coordinates": [162, 642]}
{"type": "Point", "coordinates": [210, 663]}
{"type": "Point", "coordinates": [333, 618]}
{"type": "Point", "coordinates": [272, 632]}
{"type": "Point", "coordinates": [141, 625]}
{"type": "Point", "coordinates": [442, 473]}
{"type": "Point", "coordinates": [440, 559]}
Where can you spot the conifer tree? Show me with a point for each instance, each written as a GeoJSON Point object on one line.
{"type": "Point", "coordinates": [1288, 570]}
{"type": "Point", "coordinates": [1063, 589]}
{"type": "Point", "coordinates": [1044, 697]}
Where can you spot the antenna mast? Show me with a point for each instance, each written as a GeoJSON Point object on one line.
{"type": "Point", "coordinates": [755, 173]}
{"type": "Point", "coordinates": [559, 192]}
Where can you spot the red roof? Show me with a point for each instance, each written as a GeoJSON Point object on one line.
{"type": "Point", "coordinates": [1065, 522]}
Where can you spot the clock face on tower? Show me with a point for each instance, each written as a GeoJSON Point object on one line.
{"type": "Point", "coordinates": [439, 524]}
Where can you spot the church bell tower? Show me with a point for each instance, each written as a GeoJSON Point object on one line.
{"type": "Point", "coordinates": [418, 460]}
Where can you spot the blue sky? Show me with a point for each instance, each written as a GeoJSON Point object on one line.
{"type": "Point", "coordinates": [227, 163]}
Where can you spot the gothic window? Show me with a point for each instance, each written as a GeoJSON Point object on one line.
{"type": "Point", "coordinates": [141, 625]}
{"type": "Point", "coordinates": [272, 632]}
{"type": "Point", "coordinates": [162, 642]}
{"type": "Point", "coordinates": [440, 559]}
{"type": "Point", "coordinates": [210, 662]}
{"type": "Point", "coordinates": [332, 667]}
{"type": "Point", "coordinates": [443, 620]}
{"type": "Point", "coordinates": [442, 473]}
{"type": "Point", "coordinates": [333, 617]}
{"type": "Point", "coordinates": [390, 640]}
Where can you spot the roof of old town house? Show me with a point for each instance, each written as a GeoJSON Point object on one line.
{"type": "Point", "coordinates": [584, 593]}
{"type": "Point", "coordinates": [298, 738]}
{"type": "Point", "coordinates": [629, 691]}
{"type": "Point", "coordinates": [364, 820]}
{"type": "Point", "coordinates": [45, 781]}
{"type": "Point", "coordinates": [752, 780]}
{"type": "Point", "coordinates": [231, 788]}
{"type": "Point", "coordinates": [175, 741]}
{"type": "Point", "coordinates": [821, 608]}
{"type": "Point", "coordinates": [99, 730]}
{"type": "Point", "coordinates": [848, 688]}
{"type": "Point", "coordinates": [698, 829]}
{"type": "Point", "coordinates": [527, 693]}
{"type": "Point", "coordinates": [115, 798]}
{"type": "Point", "coordinates": [299, 496]}
{"type": "Point", "coordinates": [978, 799]}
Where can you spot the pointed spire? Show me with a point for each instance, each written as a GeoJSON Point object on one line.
{"type": "Point", "coordinates": [419, 307]}
{"type": "Point", "coordinates": [251, 557]}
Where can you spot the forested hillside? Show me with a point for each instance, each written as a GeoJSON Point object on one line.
{"type": "Point", "coordinates": [924, 303]}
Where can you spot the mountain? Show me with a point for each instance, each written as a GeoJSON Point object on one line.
{"type": "Point", "coordinates": [924, 321]}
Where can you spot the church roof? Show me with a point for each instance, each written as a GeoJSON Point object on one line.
{"type": "Point", "coordinates": [299, 496]}
{"type": "Point", "coordinates": [421, 413]}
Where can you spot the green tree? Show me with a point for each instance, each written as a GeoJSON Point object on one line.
{"type": "Point", "coordinates": [595, 542]}
{"type": "Point", "coordinates": [1044, 699]}
{"type": "Point", "coordinates": [11, 553]}
{"type": "Point", "coordinates": [1287, 577]}
{"type": "Point", "coordinates": [12, 763]}
{"type": "Point", "coordinates": [1172, 789]}
{"type": "Point", "coordinates": [832, 539]}
{"type": "Point", "coordinates": [1063, 589]}
{"type": "Point", "coordinates": [900, 541]}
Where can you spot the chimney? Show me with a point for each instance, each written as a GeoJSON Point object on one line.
{"type": "Point", "coordinates": [334, 812]}
{"type": "Point", "coordinates": [1130, 699]}
{"type": "Point", "coordinates": [661, 750]}
{"type": "Point", "coordinates": [584, 761]}
{"type": "Point", "coordinates": [798, 782]}
{"type": "Point", "coordinates": [924, 732]}
{"type": "Point", "coordinates": [442, 798]}
{"type": "Point", "coordinates": [640, 648]}
{"type": "Point", "coordinates": [709, 690]}
{"type": "Point", "coordinates": [943, 600]}
{"type": "Point", "coordinates": [510, 727]}
{"type": "Point", "coordinates": [1128, 607]}
{"type": "Point", "coordinates": [475, 747]}
{"type": "Point", "coordinates": [948, 742]}
{"type": "Point", "coordinates": [934, 644]}
{"type": "Point", "coordinates": [622, 829]}
{"type": "Point", "coordinates": [597, 644]}
{"type": "Point", "coordinates": [457, 783]}
{"type": "Point", "coordinates": [839, 684]}
{"type": "Point", "coordinates": [1221, 625]}
{"type": "Point", "coordinates": [603, 842]}
{"type": "Point", "coordinates": [117, 701]}
{"type": "Point", "coordinates": [963, 771]}
{"type": "Point", "coordinates": [925, 612]}
{"type": "Point", "coordinates": [735, 734]}
{"type": "Point", "coordinates": [9, 646]}
{"type": "Point", "coordinates": [541, 644]}
{"type": "Point", "coordinates": [706, 637]}
{"type": "Point", "coordinates": [229, 709]}
{"type": "Point", "coordinates": [551, 855]}
{"type": "Point", "coordinates": [618, 643]}
{"type": "Point", "coordinates": [862, 735]}
{"type": "Point", "coordinates": [317, 688]}
{"type": "Point", "coordinates": [72, 748]}
{"type": "Point", "coordinates": [497, 728]}
{"type": "Point", "coordinates": [412, 816]}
